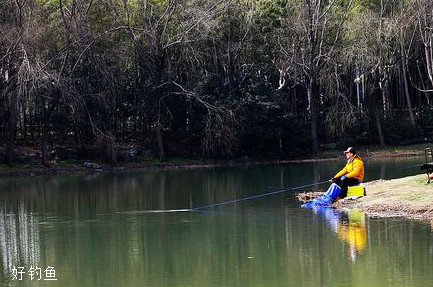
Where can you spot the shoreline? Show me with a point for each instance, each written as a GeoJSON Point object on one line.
{"type": "Point", "coordinates": [84, 167]}
{"type": "Point", "coordinates": [408, 197]}
{"type": "Point", "coordinates": [79, 168]}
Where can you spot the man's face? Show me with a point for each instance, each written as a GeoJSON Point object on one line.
{"type": "Point", "coordinates": [348, 155]}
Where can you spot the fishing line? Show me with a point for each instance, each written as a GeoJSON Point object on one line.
{"type": "Point", "coordinates": [156, 211]}
{"type": "Point", "coordinates": [278, 191]}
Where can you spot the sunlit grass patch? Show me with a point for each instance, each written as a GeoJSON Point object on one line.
{"type": "Point", "coordinates": [410, 196]}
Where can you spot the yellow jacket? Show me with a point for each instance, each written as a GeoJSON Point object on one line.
{"type": "Point", "coordinates": [353, 169]}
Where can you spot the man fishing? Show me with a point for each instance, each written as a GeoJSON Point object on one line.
{"type": "Point", "coordinates": [352, 174]}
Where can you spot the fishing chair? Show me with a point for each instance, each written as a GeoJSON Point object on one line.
{"type": "Point", "coordinates": [428, 166]}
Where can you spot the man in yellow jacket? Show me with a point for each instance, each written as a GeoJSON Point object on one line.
{"type": "Point", "coordinates": [352, 174]}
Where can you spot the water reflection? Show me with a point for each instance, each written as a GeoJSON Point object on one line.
{"type": "Point", "coordinates": [354, 231]}
{"type": "Point", "coordinates": [349, 226]}
{"type": "Point", "coordinates": [19, 239]}
{"type": "Point", "coordinates": [94, 232]}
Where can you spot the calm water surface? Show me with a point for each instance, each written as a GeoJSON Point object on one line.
{"type": "Point", "coordinates": [97, 231]}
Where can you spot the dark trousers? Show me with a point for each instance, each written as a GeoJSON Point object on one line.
{"type": "Point", "coordinates": [344, 184]}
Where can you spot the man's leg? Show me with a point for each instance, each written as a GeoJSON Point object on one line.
{"type": "Point", "coordinates": [344, 184]}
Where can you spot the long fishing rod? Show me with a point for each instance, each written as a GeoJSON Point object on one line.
{"type": "Point", "coordinates": [301, 186]}
{"type": "Point", "coordinates": [280, 190]}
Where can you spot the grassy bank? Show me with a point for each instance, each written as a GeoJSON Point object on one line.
{"type": "Point", "coordinates": [407, 197]}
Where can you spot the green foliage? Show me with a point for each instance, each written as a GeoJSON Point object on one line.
{"type": "Point", "coordinates": [272, 12]}
{"type": "Point", "coordinates": [53, 4]}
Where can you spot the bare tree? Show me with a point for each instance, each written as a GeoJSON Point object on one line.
{"type": "Point", "coordinates": [317, 29]}
{"type": "Point", "coordinates": [158, 29]}
{"type": "Point", "coordinates": [406, 29]}
{"type": "Point", "coordinates": [14, 65]}
{"type": "Point", "coordinates": [373, 51]}
{"type": "Point", "coordinates": [425, 24]}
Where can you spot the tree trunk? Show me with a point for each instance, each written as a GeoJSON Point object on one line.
{"type": "Point", "coordinates": [10, 134]}
{"type": "Point", "coordinates": [405, 83]}
{"type": "Point", "coordinates": [314, 89]}
{"type": "Point", "coordinates": [378, 125]}
{"type": "Point", "coordinates": [44, 147]}
{"type": "Point", "coordinates": [406, 90]}
{"type": "Point", "coordinates": [111, 149]}
{"type": "Point", "coordinates": [161, 194]}
{"type": "Point", "coordinates": [160, 141]}
{"type": "Point", "coordinates": [10, 137]}
{"type": "Point", "coordinates": [280, 143]}
{"type": "Point", "coordinates": [24, 121]}
{"type": "Point", "coordinates": [231, 78]}
{"type": "Point", "coordinates": [376, 94]}
{"type": "Point", "coordinates": [44, 150]}
{"type": "Point", "coordinates": [44, 140]}
{"type": "Point", "coordinates": [158, 133]}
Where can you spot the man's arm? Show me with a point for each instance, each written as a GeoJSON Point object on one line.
{"type": "Point", "coordinates": [341, 173]}
{"type": "Point", "coordinates": [357, 165]}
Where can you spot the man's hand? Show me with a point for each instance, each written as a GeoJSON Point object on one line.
{"type": "Point", "coordinates": [332, 180]}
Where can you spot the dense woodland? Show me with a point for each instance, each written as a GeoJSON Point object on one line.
{"type": "Point", "coordinates": [218, 79]}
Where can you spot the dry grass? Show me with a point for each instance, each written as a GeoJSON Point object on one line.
{"type": "Point", "coordinates": [307, 196]}
{"type": "Point", "coordinates": [407, 197]}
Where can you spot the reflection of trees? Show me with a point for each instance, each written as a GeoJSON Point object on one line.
{"type": "Point", "coordinates": [77, 224]}
{"type": "Point", "coordinates": [78, 196]}
{"type": "Point", "coordinates": [316, 175]}
{"type": "Point", "coordinates": [108, 193]}
{"type": "Point", "coordinates": [19, 239]}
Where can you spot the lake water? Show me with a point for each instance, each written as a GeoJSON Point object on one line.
{"type": "Point", "coordinates": [97, 231]}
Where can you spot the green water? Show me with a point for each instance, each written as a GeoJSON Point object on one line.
{"type": "Point", "coordinates": [96, 231]}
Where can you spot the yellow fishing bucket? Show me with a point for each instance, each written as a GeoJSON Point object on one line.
{"type": "Point", "coordinates": [356, 191]}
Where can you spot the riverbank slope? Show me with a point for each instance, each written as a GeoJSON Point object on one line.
{"type": "Point", "coordinates": [409, 197]}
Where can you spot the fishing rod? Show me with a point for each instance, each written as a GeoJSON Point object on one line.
{"type": "Point", "coordinates": [302, 186]}
{"type": "Point", "coordinates": [278, 191]}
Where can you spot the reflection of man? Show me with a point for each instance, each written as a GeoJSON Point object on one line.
{"type": "Point", "coordinates": [354, 232]}
{"type": "Point", "coordinates": [350, 227]}
{"type": "Point", "coordinates": [352, 174]}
